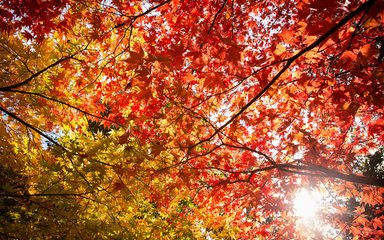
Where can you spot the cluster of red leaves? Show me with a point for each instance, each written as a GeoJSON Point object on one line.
{"type": "Point", "coordinates": [230, 88]}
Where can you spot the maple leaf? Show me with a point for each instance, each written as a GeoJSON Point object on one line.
{"type": "Point", "coordinates": [189, 119]}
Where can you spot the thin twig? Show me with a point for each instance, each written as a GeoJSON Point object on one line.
{"type": "Point", "coordinates": [216, 15]}
{"type": "Point", "coordinates": [33, 76]}
{"type": "Point", "coordinates": [64, 103]}
{"type": "Point", "coordinates": [33, 128]}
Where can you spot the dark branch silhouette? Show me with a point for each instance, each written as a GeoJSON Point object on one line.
{"type": "Point", "coordinates": [288, 63]}
{"type": "Point", "coordinates": [64, 103]}
{"type": "Point", "coordinates": [14, 116]}
{"type": "Point", "coordinates": [35, 75]}
{"type": "Point", "coordinates": [216, 15]}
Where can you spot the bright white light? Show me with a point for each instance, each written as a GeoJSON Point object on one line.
{"type": "Point", "coordinates": [306, 204]}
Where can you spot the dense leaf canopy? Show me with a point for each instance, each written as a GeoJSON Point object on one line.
{"type": "Point", "coordinates": [191, 119]}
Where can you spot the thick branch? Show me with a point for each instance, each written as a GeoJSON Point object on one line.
{"type": "Point", "coordinates": [320, 171]}
{"type": "Point", "coordinates": [347, 177]}
{"type": "Point", "coordinates": [310, 170]}
{"type": "Point", "coordinates": [313, 171]}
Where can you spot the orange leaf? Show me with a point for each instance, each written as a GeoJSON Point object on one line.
{"type": "Point", "coordinates": [355, 231]}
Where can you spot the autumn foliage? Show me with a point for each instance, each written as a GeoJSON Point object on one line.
{"type": "Point", "coordinates": [191, 119]}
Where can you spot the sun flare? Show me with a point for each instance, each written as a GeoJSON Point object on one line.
{"type": "Point", "coordinates": [306, 204]}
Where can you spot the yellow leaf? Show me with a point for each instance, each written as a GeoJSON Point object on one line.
{"type": "Point", "coordinates": [280, 49]}
{"type": "Point", "coordinates": [346, 105]}
{"type": "Point", "coordinates": [298, 136]}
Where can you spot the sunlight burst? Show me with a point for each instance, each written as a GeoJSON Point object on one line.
{"type": "Point", "coordinates": [306, 204]}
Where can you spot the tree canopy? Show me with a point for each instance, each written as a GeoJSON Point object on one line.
{"type": "Point", "coordinates": [191, 119]}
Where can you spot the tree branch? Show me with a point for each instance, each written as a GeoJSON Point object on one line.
{"type": "Point", "coordinates": [347, 177]}
{"type": "Point", "coordinates": [291, 60]}
{"type": "Point", "coordinates": [8, 236]}
{"type": "Point", "coordinates": [216, 15]}
{"type": "Point", "coordinates": [320, 171]}
{"type": "Point", "coordinates": [133, 18]}
{"type": "Point", "coordinates": [64, 103]}
{"type": "Point", "coordinates": [33, 128]}
{"type": "Point", "coordinates": [33, 76]}
{"type": "Point", "coordinates": [313, 171]}
{"type": "Point", "coordinates": [43, 195]}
